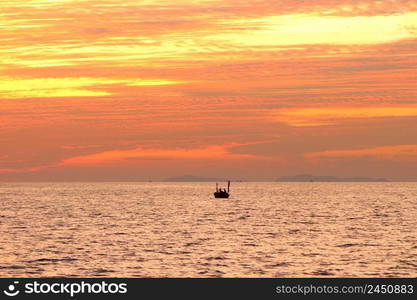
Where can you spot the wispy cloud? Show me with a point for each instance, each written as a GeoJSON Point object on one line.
{"type": "Point", "coordinates": [214, 152]}
{"type": "Point", "coordinates": [190, 78]}
{"type": "Point", "coordinates": [393, 153]}
{"type": "Point", "coordinates": [332, 115]}
{"type": "Point", "coordinates": [12, 88]}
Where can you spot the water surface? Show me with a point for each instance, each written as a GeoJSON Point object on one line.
{"type": "Point", "coordinates": [180, 230]}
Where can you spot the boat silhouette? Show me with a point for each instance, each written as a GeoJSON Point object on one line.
{"type": "Point", "coordinates": [219, 193]}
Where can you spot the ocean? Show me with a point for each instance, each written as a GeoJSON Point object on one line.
{"type": "Point", "coordinates": [180, 230]}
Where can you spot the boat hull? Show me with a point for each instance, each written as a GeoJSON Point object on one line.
{"type": "Point", "coordinates": [221, 195]}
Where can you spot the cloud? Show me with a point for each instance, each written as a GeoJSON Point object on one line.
{"type": "Point", "coordinates": [184, 76]}
{"type": "Point", "coordinates": [214, 152]}
{"type": "Point", "coordinates": [320, 116]}
{"type": "Point", "coordinates": [40, 3]}
{"type": "Point", "coordinates": [396, 153]}
{"type": "Point", "coordinates": [13, 88]}
{"type": "Point", "coordinates": [309, 29]}
{"type": "Point", "coordinates": [23, 170]}
{"type": "Point", "coordinates": [157, 32]}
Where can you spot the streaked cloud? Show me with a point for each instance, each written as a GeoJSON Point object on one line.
{"type": "Point", "coordinates": [398, 153]}
{"type": "Point", "coordinates": [214, 152]}
{"type": "Point", "coordinates": [188, 79]}
{"type": "Point", "coordinates": [17, 171]}
{"type": "Point", "coordinates": [303, 29]}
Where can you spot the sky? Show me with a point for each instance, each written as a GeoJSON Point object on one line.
{"type": "Point", "coordinates": [112, 90]}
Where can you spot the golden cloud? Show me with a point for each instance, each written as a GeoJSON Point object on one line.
{"type": "Point", "coordinates": [330, 115]}
{"type": "Point", "coordinates": [313, 29]}
{"type": "Point", "coordinates": [397, 152]}
{"type": "Point", "coordinates": [12, 88]}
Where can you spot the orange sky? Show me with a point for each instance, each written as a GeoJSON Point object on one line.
{"type": "Point", "coordinates": [256, 89]}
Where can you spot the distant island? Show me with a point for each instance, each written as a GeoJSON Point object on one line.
{"type": "Point", "coordinates": [192, 178]}
{"type": "Point", "coordinates": [312, 178]}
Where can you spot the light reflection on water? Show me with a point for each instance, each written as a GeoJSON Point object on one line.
{"type": "Point", "coordinates": [180, 230]}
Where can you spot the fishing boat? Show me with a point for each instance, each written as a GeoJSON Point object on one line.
{"type": "Point", "coordinates": [222, 193]}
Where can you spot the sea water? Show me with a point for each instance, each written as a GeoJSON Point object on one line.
{"type": "Point", "coordinates": [180, 230]}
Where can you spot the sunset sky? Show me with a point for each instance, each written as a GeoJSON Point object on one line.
{"type": "Point", "coordinates": [114, 90]}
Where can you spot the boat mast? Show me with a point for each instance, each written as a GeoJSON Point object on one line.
{"type": "Point", "coordinates": [228, 186]}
